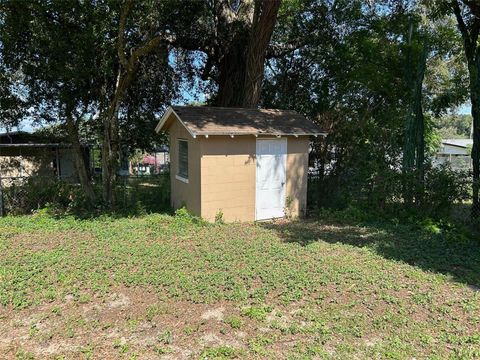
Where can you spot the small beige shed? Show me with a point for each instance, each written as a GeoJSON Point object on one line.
{"type": "Point", "coordinates": [248, 164]}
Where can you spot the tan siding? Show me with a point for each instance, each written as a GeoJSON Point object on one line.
{"type": "Point", "coordinates": [183, 194]}
{"type": "Point", "coordinates": [228, 177]}
{"type": "Point", "coordinates": [26, 162]}
{"type": "Point", "coordinates": [297, 175]}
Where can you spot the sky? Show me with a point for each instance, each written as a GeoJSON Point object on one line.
{"type": "Point", "coordinates": [190, 95]}
{"type": "Point", "coordinates": [465, 109]}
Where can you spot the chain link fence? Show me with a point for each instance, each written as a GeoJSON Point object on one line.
{"type": "Point", "coordinates": [446, 192]}
{"type": "Point", "coordinates": [23, 194]}
{"type": "Point", "coordinates": [134, 194]}
{"type": "Point", "coordinates": [151, 193]}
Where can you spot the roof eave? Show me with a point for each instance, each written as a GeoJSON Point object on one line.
{"type": "Point", "coordinates": [456, 145]}
{"type": "Point", "coordinates": [165, 117]}
{"type": "Point", "coordinates": [33, 145]}
{"type": "Point", "coordinates": [228, 133]}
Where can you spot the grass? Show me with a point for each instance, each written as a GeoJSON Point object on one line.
{"type": "Point", "coordinates": [326, 289]}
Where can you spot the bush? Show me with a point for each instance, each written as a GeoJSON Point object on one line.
{"type": "Point", "coordinates": [27, 195]}
{"type": "Point", "coordinates": [135, 196]}
{"type": "Point", "coordinates": [383, 193]}
{"type": "Point", "coordinates": [443, 188]}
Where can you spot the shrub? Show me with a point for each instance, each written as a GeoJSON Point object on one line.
{"type": "Point", "coordinates": [382, 194]}
{"type": "Point", "coordinates": [30, 194]}
{"type": "Point", "coordinates": [443, 188]}
{"type": "Point", "coordinates": [135, 196]}
{"type": "Point", "coordinates": [219, 217]}
{"type": "Point", "coordinates": [183, 217]}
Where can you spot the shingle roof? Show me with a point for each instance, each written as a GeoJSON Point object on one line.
{"type": "Point", "coordinates": [202, 120]}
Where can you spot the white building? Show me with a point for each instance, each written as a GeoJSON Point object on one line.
{"type": "Point", "coordinates": [455, 152]}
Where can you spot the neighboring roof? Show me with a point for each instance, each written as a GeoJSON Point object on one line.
{"type": "Point", "coordinates": [463, 143]}
{"type": "Point", "coordinates": [17, 137]}
{"type": "Point", "coordinates": [23, 139]}
{"type": "Point", "coordinates": [202, 120]}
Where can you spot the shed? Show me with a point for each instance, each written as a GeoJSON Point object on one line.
{"type": "Point", "coordinates": [246, 164]}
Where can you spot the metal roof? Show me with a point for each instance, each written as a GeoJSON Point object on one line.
{"type": "Point", "coordinates": [463, 143]}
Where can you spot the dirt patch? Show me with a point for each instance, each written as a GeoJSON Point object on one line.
{"type": "Point", "coordinates": [215, 314]}
{"type": "Point", "coordinates": [118, 300]}
{"type": "Point", "coordinates": [129, 321]}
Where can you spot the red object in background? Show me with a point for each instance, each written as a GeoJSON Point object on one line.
{"type": "Point", "coordinates": [149, 160]}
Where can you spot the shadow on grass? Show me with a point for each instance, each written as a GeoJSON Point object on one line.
{"type": "Point", "coordinates": [448, 254]}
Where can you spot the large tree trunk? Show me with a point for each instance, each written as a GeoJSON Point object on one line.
{"type": "Point", "coordinates": [414, 145]}
{"type": "Point", "coordinates": [232, 74]}
{"type": "Point", "coordinates": [242, 67]}
{"type": "Point", "coordinates": [474, 70]}
{"type": "Point", "coordinates": [264, 19]}
{"type": "Point", "coordinates": [79, 160]}
{"type": "Point", "coordinates": [472, 54]}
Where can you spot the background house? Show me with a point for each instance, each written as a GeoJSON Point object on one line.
{"type": "Point", "coordinates": [456, 152]}
{"type": "Point", "coordinates": [24, 154]}
{"type": "Point", "coordinates": [243, 164]}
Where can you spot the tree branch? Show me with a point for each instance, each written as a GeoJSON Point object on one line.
{"type": "Point", "coordinates": [121, 32]}
{"type": "Point", "coordinates": [474, 7]}
{"type": "Point", "coordinates": [280, 50]}
{"type": "Point", "coordinates": [462, 27]}
{"type": "Point", "coordinates": [145, 49]}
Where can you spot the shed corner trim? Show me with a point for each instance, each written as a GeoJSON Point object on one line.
{"type": "Point", "coordinates": [165, 117]}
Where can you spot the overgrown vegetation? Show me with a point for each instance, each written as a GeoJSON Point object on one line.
{"type": "Point", "coordinates": [136, 195]}
{"type": "Point", "coordinates": [381, 77]}
{"type": "Point", "coordinates": [339, 287]}
{"type": "Point", "coordinates": [444, 190]}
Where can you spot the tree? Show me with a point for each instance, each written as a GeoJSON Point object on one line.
{"type": "Point", "coordinates": [85, 79]}
{"type": "Point", "coordinates": [127, 69]}
{"type": "Point", "coordinates": [12, 105]}
{"type": "Point", "coordinates": [353, 77]}
{"type": "Point", "coordinates": [54, 75]}
{"type": "Point", "coordinates": [467, 14]}
{"type": "Point", "coordinates": [235, 56]}
{"type": "Point", "coordinates": [233, 37]}
{"type": "Point", "coordinates": [452, 126]}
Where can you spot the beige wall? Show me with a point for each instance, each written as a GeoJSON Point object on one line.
{"type": "Point", "coordinates": [26, 162]}
{"type": "Point", "coordinates": [228, 177]}
{"type": "Point", "coordinates": [297, 175]}
{"type": "Point", "coordinates": [184, 194]}
{"type": "Point", "coordinates": [228, 173]}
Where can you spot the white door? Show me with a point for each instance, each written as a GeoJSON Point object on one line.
{"type": "Point", "coordinates": [271, 178]}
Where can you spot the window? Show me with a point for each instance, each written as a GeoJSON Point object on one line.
{"type": "Point", "coordinates": [183, 159]}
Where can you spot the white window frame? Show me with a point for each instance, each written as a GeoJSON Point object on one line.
{"type": "Point", "coordinates": [179, 176]}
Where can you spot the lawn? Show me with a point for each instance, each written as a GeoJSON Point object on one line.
{"type": "Point", "coordinates": [171, 286]}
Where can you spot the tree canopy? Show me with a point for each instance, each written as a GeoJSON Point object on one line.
{"type": "Point", "coordinates": [381, 76]}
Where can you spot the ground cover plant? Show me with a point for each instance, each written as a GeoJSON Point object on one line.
{"type": "Point", "coordinates": [161, 286]}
